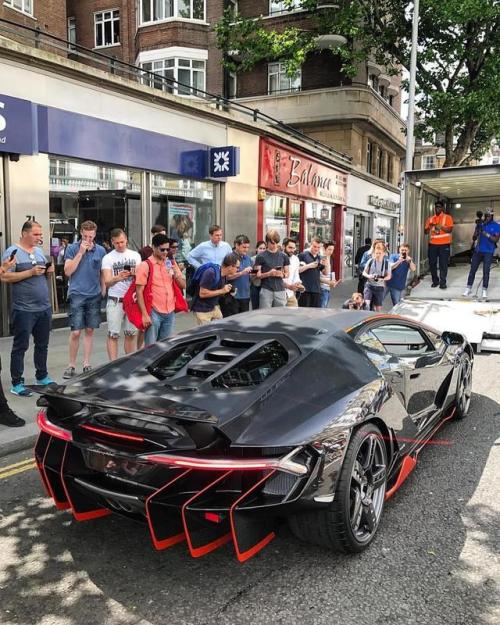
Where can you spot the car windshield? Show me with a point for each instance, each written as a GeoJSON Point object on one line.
{"type": "Point", "coordinates": [255, 368]}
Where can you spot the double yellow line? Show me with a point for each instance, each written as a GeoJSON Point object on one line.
{"type": "Point", "coordinates": [17, 467]}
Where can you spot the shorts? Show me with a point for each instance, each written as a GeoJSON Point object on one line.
{"type": "Point", "coordinates": [374, 294]}
{"type": "Point", "coordinates": [84, 312]}
{"type": "Point", "coordinates": [116, 318]}
{"type": "Point", "coordinates": [202, 318]}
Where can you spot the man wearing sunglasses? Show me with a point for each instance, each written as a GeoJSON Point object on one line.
{"type": "Point", "coordinates": [31, 309]}
{"type": "Point", "coordinates": [159, 321]}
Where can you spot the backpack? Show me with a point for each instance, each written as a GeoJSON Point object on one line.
{"type": "Point", "coordinates": [193, 288]}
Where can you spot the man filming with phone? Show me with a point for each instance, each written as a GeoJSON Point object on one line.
{"type": "Point", "coordinates": [401, 264]}
{"type": "Point", "coordinates": [82, 266]}
{"type": "Point", "coordinates": [272, 268]}
{"type": "Point", "coordinates": [31, 308]}
{"type": "Point", "coordinates": [312, 266]}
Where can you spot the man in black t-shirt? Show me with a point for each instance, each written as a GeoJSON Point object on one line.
{"type": "Point", "coordinates": [272, 267]}
{"type": "Point", "coordinates": [312, 265]}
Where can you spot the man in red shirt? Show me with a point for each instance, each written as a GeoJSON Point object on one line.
{"type": "Point", "coordinates": [159, 323]}
{"type": "Point", "coordinates": [439, 228]}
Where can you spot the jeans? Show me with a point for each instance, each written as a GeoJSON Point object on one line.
{"type": "Point", "coordinates": [396, 294]}
{"type": "Point", "coordinates": [272, 299]}
{"type": "Point", "coordinates": [254, 296]}
{"type": "Point", "coordinates": [478, 257]}
{"type": "Point", "coordinates": [84, 312]}
{"type": "Point", "coordinates": [162, 326]}
{"type": "Point", "coordinates": [24, 324]}
{"type": "Point", "coordinates": [325, 298]}
{"type": "Point", "coordinates": [441, 253]}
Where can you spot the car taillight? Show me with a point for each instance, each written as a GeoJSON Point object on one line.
{"type": "Point", "coordinates": [50, 428]}
{"type": "Point", "coordinates": [104, 432]}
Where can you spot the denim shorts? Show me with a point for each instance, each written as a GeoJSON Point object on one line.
{"type": "Point", "coordinates": [116, 318]}
{"type": "Point", "coordinates": [84, 312]}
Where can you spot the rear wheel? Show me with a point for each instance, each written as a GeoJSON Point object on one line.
{"type": "Point", "coordinates": [351, 521]}
{"type": "Point", "coordinates": [464, 387]}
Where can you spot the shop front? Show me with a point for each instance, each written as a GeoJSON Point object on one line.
{"type": "Point", "coordinates": [372, 211]}
{"type": "Point", "coordinates": [62, 168]}
{"type": "Point", "coordinates": [301, 197]}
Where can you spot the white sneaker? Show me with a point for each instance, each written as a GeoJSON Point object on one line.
{"type": "Point", "coordinates": [466, 293]}
{"type": "Point", "coordinates": [484, 294]}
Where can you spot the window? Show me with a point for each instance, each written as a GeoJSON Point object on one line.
{"type": "Point", "coordinates": [232, 85]}
{"type": "Point", "coordinates": [279, 6]}
{"type": "Point", "coordinates": [390, 168]}
{"type": "Point", "coordinates": [72, 32]}
{"type": "Point", "coordinates": [401, 340]}
{"type": "Point", "coordinates": [429, 162]}
{"type": "Point", "coordinates": [280, 82]}
{"type": "Point", "coordinates": [373, 81]}
{"type": "Point", "coordinates": [26, 6]}
{"type": "Point", "coordinates": [233, 5]}
{"type": "Point", "coordinates": [58, 167]}
{"type": "Point", "coordinates": [390, 99]}
{"type": "Point", "coordinates": [255, 368]}
{"type": "Point", "coordinates": [157, 10]}
{"type": "Point", "coordinates": [380, 163]}
{"type": "Point", "coordinates": [177, 358]}
{"type": "Point", "coordinates": [107, 28]}
{"type": "Point", "coordinates": [383, 91]}
{"type": "Point", "coordinates": [369, 157]}
{"type": "Point", "coordinates": [368, 341]}
{"type": "Point", "coordinates": [190, 73]}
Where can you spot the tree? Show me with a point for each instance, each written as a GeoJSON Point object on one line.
{"type": "Point", "coordinates": [458, 67]}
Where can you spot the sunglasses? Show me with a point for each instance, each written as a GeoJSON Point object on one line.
{"type": "Point", "coordinates": [33, 259]}
{"type": "Point", "coordinates": [163, 249]}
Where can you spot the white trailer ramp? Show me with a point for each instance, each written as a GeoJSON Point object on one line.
{"type": "Point", "coordinates": [447, 309]}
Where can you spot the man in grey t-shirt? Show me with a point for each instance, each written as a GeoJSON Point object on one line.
{"type": "Point", "coordinates": [272, 266]}
{"type": "Point", "coordinates": [31, 309]}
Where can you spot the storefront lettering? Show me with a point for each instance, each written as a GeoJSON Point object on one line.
{"type": "Point", "coordinates": [381, 203]}
{"type": "Point", "coordinates": [3, 121]}
{"type": "Point", "coordinates": [307, 177]}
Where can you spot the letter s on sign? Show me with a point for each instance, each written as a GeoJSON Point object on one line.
{"type": "Point", "coordinates": [3, 121]}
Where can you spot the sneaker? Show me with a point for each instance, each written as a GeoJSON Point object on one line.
{"type": "Point", "coordinates": [466, 293]}
{"type": "Point", "coordinates": [9, 418]}
{"type": "Point", "coordinates": [87, 368]}
{"type": "Point", "coordinates": [443, 286]}
{"type": "Point", "coordinates": [45, 381]}
{"type": "Point", "coordinates": [69, 373]}
{"type": "Point", "coordinates": [21, 390]}
{"type": "Point", "coordinates": [434, 285]}
{"type": "Point", "coordinates": [484, 294]}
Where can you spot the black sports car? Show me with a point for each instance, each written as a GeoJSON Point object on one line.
{"type": "Point", "coordinates": [316, 416]}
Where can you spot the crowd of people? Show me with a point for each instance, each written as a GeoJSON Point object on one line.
{"type": "Point", "coordinates": [219, 279]}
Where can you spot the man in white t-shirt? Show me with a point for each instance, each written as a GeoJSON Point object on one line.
{"type": "Point", "coordinates": [117, 268]}
{"type": "Point", "coordinates": [293, 283]}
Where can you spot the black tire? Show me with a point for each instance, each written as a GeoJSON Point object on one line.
{"type": "Point", "coordinates": [334, 527]}
{"type": "Point", "coordinates": [464, 387]}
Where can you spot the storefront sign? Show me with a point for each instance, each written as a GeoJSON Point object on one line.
{"type": "Point", "coordinates": [381, 203]}
{"type": "Point", "coordinates": [224, 162]}
{"type": "Point", "coordinates": [289, 172]}
{"type": "Point", "coordinates": [17, 126]}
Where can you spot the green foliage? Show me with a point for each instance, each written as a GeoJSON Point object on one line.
{"type": "Point", "coordinates": [458, 75]}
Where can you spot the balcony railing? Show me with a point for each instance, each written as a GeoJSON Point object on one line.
{"type": "Point", "coordinates": [46, 41]}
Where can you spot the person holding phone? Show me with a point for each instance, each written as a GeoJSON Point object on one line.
{"type": "Point", "coordinates": [272, 268]}
{"type": "Point", "coordinates": [327, 279]}
{"type": "Point", "coordinates": [31, 309]}
{"type": "Point", "coordinates": [377, 272]}
{"type": "Point", "coordinates": [83, 268]}
{"type": "Point", "coordinates": [312, 266]}
{"type": "Point", "coordinates": [117, 268]}
{"type": "Point", "coordinates": [401, 264]}
{"type": "Point", "coordinates": [238, 299]}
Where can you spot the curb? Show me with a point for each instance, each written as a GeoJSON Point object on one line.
{"type": "Point", "coordinates": [12, 441]}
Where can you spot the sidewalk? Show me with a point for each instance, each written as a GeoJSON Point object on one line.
{"type": "Point", "coordinates": [17, 439]}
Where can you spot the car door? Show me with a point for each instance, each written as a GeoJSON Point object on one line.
{"type": "Point", "coordinates": [421, 364]}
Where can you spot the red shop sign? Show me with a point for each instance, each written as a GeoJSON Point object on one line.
{"type": "Point", "coordinates": [289, 172]}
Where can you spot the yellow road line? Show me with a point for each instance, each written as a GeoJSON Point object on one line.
{"type": "Point", "coordinates": [12, 472]}
{"type": "Point", "coordinates": [16, 464]}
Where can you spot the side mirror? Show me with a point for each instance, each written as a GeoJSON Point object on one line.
{"type": "Point", "coordinates": [452, 338]}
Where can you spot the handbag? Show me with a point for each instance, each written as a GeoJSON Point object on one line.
{"type": "Point", "coordinates": [180, 303]}
{"type": "Point", "coordinates": [130, 305]}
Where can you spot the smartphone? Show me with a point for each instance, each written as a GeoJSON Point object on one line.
{"type": "Point", "coordinates": [278, 268]}
{"type": "Point", "coordinates": [127, 267]}
{"type": "Point", "coordinates": [12, 254]}
{"type": "Point", "coordinates": [48, 265]}
{"type": "Point", "coordinates": [254, 271]}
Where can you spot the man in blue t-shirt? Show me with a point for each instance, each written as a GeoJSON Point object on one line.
{"type": "Point", "coordinates": [486, 238]}
{"type": "Point", "coordinates": [82, 266]}
{"type": "Point", "coordinates": [238, 300]}
{"type": "Point", "coordinates": [212, 285]}
{"type": "Point", "coordinates": [400, 263]}
{"type": "Point", "coordinates": [31, 309]}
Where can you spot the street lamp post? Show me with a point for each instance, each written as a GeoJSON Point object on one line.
{"type": "Point", "coordinates": [410, 125]}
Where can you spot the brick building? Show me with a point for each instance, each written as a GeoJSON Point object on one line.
{"type": "Point", "coordinates": [47, 15]}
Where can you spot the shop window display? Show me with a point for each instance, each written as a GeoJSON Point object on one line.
{"type": "Point", "coordinates": [275, 215]}
{"type": "Point", "coordinates": [319, 221]}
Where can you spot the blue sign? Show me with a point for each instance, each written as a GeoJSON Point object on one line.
{"type": "Point", "coordinates": [224, 162]}
{"type": "Point", "coordinates": [18, 131]}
